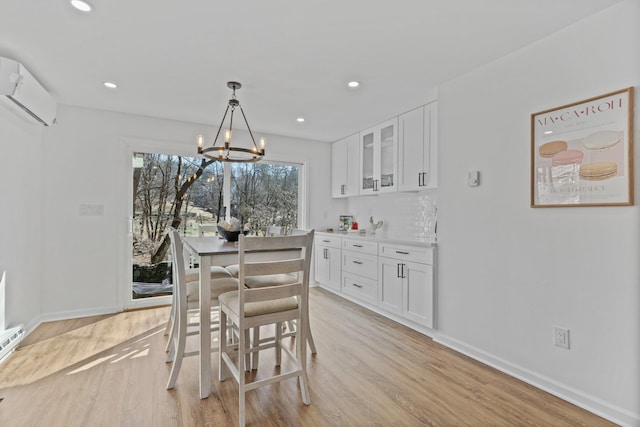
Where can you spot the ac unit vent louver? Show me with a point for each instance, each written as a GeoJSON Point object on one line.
{"type": "Point", "coordinates": [23, 94]}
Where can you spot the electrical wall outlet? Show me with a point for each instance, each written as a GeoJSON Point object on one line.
{"type": "Point", "coordinates": [561, 337]}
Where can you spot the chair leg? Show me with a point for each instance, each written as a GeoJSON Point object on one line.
{"type": "Point", "coordinates": [222, 338]}
{"type": "Point", "coordinates": [312, 344]}
{"type": "Point", "coordinates": [243, 351]}
{"type": "Point", "coordinates": [179, 353]}
{"type": "Point", "coordinates": [241, 405]}
{"type": "Point", "coordinates": [171, 320]}
{"type": "Point", "coordinates": [278, 347]}
{"type": "Point", "coordinates": [242, 366]}
{"type": "Point", "coordinates": [301, 350]}
{"type": "Point", "coordinates": [171, 325]}
{"type": "Point", "coordinates": [255, 355]}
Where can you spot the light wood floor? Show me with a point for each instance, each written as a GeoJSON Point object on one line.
{"type": "Point", "coordinates": [369, 371]}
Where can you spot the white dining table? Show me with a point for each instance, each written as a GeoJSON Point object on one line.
{"type": "Point", "coordinates": [213, 251]}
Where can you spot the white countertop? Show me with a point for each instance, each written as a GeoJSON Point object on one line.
{"type": "Point", "coordinates": [379, 237]}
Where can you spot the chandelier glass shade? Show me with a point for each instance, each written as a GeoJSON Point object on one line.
{"type": "Point", "coordinates": [225, 151]}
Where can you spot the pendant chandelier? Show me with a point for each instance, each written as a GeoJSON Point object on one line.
{"type": "Point", "coordinates": [227, 152]}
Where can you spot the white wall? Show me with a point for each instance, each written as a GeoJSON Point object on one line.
{"type": "Point", "coordinates": [21, 217]}
{"type": "Point", "coordinates": [86, 163]}
{"type": "Point", "coordinates": [508, 273]}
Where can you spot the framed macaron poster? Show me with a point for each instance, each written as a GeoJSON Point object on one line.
{"type": "Point", "coordinates": [582, 153]}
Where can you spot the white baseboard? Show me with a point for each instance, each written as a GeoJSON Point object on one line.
{"type": "Point", "coordinates": [590, 403]}
{"type": "Point", "coordinates": [64, 315]}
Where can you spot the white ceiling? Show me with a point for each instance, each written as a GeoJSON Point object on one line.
{"type": "Point", "coordinates": [172, 58]}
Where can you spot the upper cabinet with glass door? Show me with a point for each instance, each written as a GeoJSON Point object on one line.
{"type": "Point", "coordinates": [378, 158]}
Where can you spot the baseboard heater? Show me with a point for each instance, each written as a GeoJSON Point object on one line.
{"type": "Point", "coordinates": [9, 340]}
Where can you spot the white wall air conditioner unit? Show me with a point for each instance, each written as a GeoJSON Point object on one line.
{"type": "Point", "coordinates": [21, 92]}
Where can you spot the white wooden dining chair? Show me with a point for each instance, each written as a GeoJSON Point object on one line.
{"type": "Point", "coordinates": [191, 275]}
{"type": "Point", "coordinates": [207, 229]}
{"type": "Point", "coordinates": [186, 312]}
{"type": "Point", "coordinates": [274, 230]}
{"type": "Point", "coordinates": [271, 305]}
{"type": "Point", "coordinates": [269, 280]}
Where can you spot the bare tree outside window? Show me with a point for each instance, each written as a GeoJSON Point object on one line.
{"type": "Point", "coordinates": [185, 192]}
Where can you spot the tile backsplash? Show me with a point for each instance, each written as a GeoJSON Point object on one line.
{"type": "Point", "coordinates": [410, 216]}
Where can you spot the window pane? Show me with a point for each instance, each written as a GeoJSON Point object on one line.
{"type": "Point", "coordinates": [264, 194]}
{"type": "Point", "coordinates": [169, 191]}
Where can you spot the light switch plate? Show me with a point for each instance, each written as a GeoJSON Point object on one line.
{"type": "Point", "coordinates": [473, 178]}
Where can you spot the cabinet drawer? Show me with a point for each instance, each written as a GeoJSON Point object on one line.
{"type": "Point", "coordinates": [361, 246]}
{"type": "Point", "coordinates": [329, 241]}
{"type": "Point", "coordinates": [361, 264]}
{"type": "Point", "coordinates": [419, 254]}
{"type": "Point", "coordinates": [360, 288]}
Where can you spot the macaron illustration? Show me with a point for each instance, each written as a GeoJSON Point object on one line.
{"type": "Point", "coordinates": [567, 157]}
{"type": "Point", "coordinates": [602, 140]}
{"type": "Point", "coordinates": [598, 171]}
{"type": "Point", "coordinates": [552, 148]}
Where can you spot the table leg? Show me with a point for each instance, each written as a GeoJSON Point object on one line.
{"type": "Point", "coordinates": [205, 326]}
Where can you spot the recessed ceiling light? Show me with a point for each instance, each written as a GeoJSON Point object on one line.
{"type": "Point", "coordinates": [110, 85]}
{"type": "Point", "coordinates": [81, 5]}
{"type": "Point", "coordinates": [300, 119]}
{"type": "Point", "coordinates": [353, 84]}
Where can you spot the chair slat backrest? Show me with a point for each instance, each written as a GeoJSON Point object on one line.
{"type": "Point", "coordinates": [300, 264]}
{"type": "Point", "coordinates": [298, 232]}
{"type": "Point", "coordinates": [274, 230]}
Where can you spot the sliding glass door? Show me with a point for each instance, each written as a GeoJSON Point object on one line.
{"type": "Point", "coordinates": [193, 195]}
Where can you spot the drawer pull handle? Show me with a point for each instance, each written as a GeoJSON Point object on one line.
{"type": "Point", "coordinates": [357, 246]}
{"type": "Point", "coordinates": [327, 241]}
{"type": "Point", "coordinates": [357, 262]}
{"type": "Point", "coordinates": [357, 286]}
{"type": "Point", "coordinates": [402, 252]}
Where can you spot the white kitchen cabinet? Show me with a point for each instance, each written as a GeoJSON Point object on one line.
{"type": "Point", "coordinates": [393, 278]}
{"type": "Point", "coordinates": [390, 289]}
{"type": "Point", "coordinates": [328, 268]}
{"type": "Point", "coordinates": [379, 158]}
{"type": "Point", "coordinates": [417, 149]}
{"type": "Point", "coordinates": [345, 155]}
{"type": "Point", "coordinates": [359, 269]}
{"type": "Point", "coordinates": [406, 287]}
